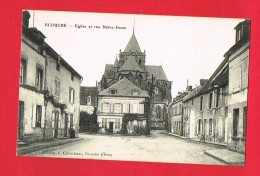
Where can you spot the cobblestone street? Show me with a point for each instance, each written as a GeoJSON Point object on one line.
{"type": "Point", "coordinates": [157, 148]}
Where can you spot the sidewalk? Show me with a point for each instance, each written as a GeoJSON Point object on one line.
{"type": "Point", "coordinates": [224, 155]}
{"type": "Point", "coordinates": [24, 150]}
{"type": "Point", "coordinates": [227, 156]}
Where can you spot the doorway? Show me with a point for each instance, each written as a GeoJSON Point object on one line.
{"type": "Point", "coordinates": [20, 122]}
{"type": "Point", "coordinates": [56, 124]}
{"type": "Point", "coordinates": [111, 127]}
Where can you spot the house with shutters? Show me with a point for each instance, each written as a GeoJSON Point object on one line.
{"type": "Point", "coordinates": [49, 89]}
{"type": "Point", "coordinates": [123, 97]}
{"type": "Point", "coordinates": [238, 58]}
{"type": "Point", "coordinates": [131, 64]}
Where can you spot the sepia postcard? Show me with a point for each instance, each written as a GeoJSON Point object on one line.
{"type": "Point", "coordinates": [130, 87]}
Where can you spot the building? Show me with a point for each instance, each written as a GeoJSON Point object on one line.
{"type": "Point", "coordinates": [189, 104]}
{"type": "Point", "coordinates": [131, 65]}
{"type": "Point", "coordinates": [176, 114]}
{"type": "Point", "coordinates": [121, 99]}
{"type": "Point", "coordinates": [211, 109]}
{"type": "Point", "coordinates": [49, 89]}
{"type": "Point", "coordinates": [238, 58]}
{"type": "Point", "coordinates": [88, 99]}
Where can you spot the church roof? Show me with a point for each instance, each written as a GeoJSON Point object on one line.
{"type": "Point", "coordinates": [109, 72]}
{"type": "Point", "coordinates": [124, 87]}
{"type": "Point", "coordinates": [115, 63]}
{"type": "Point", "coordinates": [130, 64]}
{"type": "Point", "coordinates": [132, 45]}
{"type": "Point", "coordinates": [156, 71]}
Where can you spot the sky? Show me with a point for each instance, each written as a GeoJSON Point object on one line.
{"type": "Point", "coordinates": [188, 48]}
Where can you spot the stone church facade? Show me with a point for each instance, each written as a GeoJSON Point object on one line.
{"type": "Point", "coordinates": [131, 64]}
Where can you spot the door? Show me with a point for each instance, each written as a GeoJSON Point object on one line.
{"type": "Point", "coordinates": [56, 124]}
{"type": "Point", "coordinates": [20, 122]}
{"type": "Point", "coordinates": [66, 125]}
{"type": "Point", "coordinates": [111, 127]}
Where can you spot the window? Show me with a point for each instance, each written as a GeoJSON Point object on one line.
{"type": "Point", "coordinates": [158, 112]}
{"type": "Point", "coordinates": [57, 88]}
{"type": "Point", "coordinates": [192, 101]}
{"type": "Point", "coordinates": [201, 103]}
{"type": "Point", "coordinates": [112, 91]}
{"type": "Point", "coordinates": [23, 71]}
{"type": "Point", "coordinates": [210, 100]}
{"type": "Point", "coordinates": [135, 92]}
{"type": "Point", "coordinates": [38, 116]}
{"type": "Point", "coordinates": [71, 121]}
{"type": "Point", "coordinates": [117, 108]}
{"type": "Point", "coordinates": [89, 100]}
{"type": "Point", "coordinates": [105, 107]}
{"type": "Point", "coordinates": [135, 108]}
{"type": "Point", "coordinates": [236, 78]}
{"type": "Point", "coordinates": [58, 63]}
{"type": "Point", "coordinates": [39, 78]}
{"type": "Point", "coordinates": [72, 77]}
{"type": "Point", "coordinates": [217, 98]}
{"type": "Point", "coordinates": [210, 126]}
{"type": "Point", "coordinates": [244, 121]}
{"type": "Point", "coordinates": [71, 95]}
{"type": "Point", "coordinates": [235, 122]}
{"type": "Point", "coordinates": [117, 123]}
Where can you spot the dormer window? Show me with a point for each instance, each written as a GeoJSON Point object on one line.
{"type": "Point", "coordinates": [113, 91]}
{"type": "Point", "coordinates": [135, 92]}
{"type": "Point", "coordinates": [89, 100]}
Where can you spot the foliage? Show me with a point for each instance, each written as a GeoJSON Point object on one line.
{"type": "Point", "coordinates": [88, 122]}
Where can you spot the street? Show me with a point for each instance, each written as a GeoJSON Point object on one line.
{"type": "Point", "coordinates": [157, 148]}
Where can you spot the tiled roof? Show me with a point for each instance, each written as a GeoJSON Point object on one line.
{"type": "Point", "coordinates": [156, 71]}
{"type": "Point", "coordinates": [88, 91]}
{"type": "Point", "coordinates": [132, 45]}
{"type": "Point", "coordinates": [130, 64]}
{"type": "Point", "coordinates": [124, 87]}
{"type": "Point", "coordinates": [109, 72]}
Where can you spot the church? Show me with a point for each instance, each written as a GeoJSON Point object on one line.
{"type": "Point", "coordinates": [131, 65]}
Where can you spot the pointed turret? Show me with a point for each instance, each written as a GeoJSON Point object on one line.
{"type": "Point", "coordinates": [116, 63]}
{"type": "Point", "coordinates": [132, 45]}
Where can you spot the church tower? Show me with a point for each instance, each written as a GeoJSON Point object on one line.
{"type": "Point", "coordinates": [132, 49]}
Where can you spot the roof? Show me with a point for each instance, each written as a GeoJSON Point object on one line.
{"type": "Point", "coordinates": [130, 64]}
{"type": "Point", "coordinates": [178, 97]}
{"type": "Point", "coordinates": [219, 77]}
{"type": "Point", "coordinates": [156, 71]}
{"type": "Point", "coordinates": [86, 92]}
{"type": "Point", "coordinates": [116, 64]}
{"type": "Point", "coordinates": [132, 45]}
{"type": "Point", "coordinates": [37, 36]}
{"type": "Point", "coordinates": [124, 88]}
{"type": "Point", "coordinates": [192, 93]}
{"type": "Point", "coordinates": [109, 72]}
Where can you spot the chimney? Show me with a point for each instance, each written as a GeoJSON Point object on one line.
{"type": "Point", "coordinates": [189, 88]}
{"type": "Point", "coordinates": [203, 82]}
{"type": "Point", "coordinates": [26, 17]}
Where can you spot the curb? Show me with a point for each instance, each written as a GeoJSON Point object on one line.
{"type": "Point", "coordinates": [224, 161]}
{"type": "Point", "coordinates": [197, 141]}
{"type": "Point", "coordinates": [27, 151]}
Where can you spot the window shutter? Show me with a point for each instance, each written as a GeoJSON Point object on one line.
{"type": "Point", "coordinates": [43, 118]}
{"type": "Point", "coordinates": [214, 99]}
{"type": "Point", "coordinates": [33, 116]}
{"type": "Point", "coordinates": [111, 107]}
{"type": "Point", "coordinates": [52, 119]}
{"type": "Point", "coordinates": [59, 117]}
